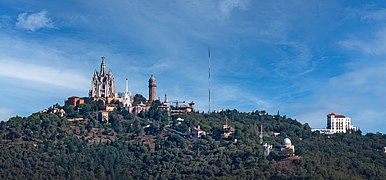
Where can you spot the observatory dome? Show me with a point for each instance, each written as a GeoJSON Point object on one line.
{"type": "Point", "coordinates": [287, 142]}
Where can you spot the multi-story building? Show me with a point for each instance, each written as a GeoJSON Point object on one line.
{"type": "Point", "coordinates": [337, 123]}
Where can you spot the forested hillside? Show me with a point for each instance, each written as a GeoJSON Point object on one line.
{"type": "Point", "coordinates": [46, 145]}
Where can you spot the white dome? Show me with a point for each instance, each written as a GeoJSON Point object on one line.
{"type": "Point", "coordinates": [287, 141]}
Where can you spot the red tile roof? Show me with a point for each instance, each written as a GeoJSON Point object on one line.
{"type": "Point", "coordinates": [336, 115]}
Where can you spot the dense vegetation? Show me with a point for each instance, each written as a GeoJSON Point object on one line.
{"type": "Point", "coordinates": [45, 145]}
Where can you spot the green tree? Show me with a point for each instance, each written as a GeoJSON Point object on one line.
{"type": "Point", "coordinates": [138, 98]}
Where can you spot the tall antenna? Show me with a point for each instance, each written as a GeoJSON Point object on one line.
{"type": "Point", "coordinates": [127, 86]}
{"type": "Point", "coordinates": [209, 78]}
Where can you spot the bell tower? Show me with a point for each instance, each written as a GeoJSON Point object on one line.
{"type": "Point", "coordinates": [152, 89]}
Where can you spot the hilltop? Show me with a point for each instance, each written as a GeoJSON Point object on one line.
{"type": "Point", "coordinates": [154, 145]}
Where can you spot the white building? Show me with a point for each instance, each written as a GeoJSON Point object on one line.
{"type": "Point", "coordinates": [337, 123]}
{"type": "Point", "coordinates": [198, 132]}
{"type": "Point", "coordinates": [127, 99]}
{"type": "Point", "coordinates": [179, 121]}
{"type": "Point", "coordinates": [287, 144]}
{"type": "Point", "coordinates": [267, 149]}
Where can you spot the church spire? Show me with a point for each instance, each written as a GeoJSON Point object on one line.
{"type": "Point", "coordinates": [103, 67]}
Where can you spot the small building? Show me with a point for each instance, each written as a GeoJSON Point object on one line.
{"type": "Point", "coordinates": [61, 112]}
{"type": "Point", "coordinates": [74, 101]}
{"type": "Point", "coordinates": [140, 107]}
{"type": "Point", "coordinates": [110, 108]}
{"type": "Point", "coordinates": [103, 116]}
{"type": "Point", "coordinates": [198, 132]}
{"type": "Point", "coordinates": [179, 121]}
{"type": "Point", "coordinates": [267, 149]}
{"type": "Point", "coordinates": [287, 144]}
{"type": "Point", "coordinates": [384, 149]}
{"type": "Point", "coordinates": [228, 130]}
{"type": "Point", "coordinates": [183, 108]}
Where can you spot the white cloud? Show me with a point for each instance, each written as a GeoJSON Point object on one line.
{"type": "Point", "coordinates": [374, 15]}
{"type": "Point", "coordinates": [359, 94]}
{"type": "Point", "coordinates": [295, 60]}
{"type": "Point", "coordinates": [34, 21]}
{"type": "Point", "coordinates": [227, 6]}
{"type": "Point", "coordinates": [48, 75]}
{"type": "Point", "coordinates": [375, 45]}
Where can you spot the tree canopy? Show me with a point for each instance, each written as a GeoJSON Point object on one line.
{"type": "Point", "coordinates": [45, 145]}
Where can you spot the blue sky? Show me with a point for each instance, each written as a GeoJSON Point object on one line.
{"type": "Point", "coordinates": [304, 58]}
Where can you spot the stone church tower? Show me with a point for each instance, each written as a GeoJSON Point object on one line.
{"type": "Point", "coordinates": [152, 89]}
{"type": "Point", "coordinates": [102, 83]}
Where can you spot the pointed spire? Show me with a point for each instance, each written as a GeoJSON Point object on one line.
{"type": "Point", "coordinates": [103, 67]}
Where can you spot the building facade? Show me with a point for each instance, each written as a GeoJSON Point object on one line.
{"type": "Point", "coordinates": [336, 123]}
{"type": "Point", "coordinates": [74, 101]}
{"type": "Point", "coordinates": [102, 85]}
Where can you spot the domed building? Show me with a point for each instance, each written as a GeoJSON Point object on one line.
{"type": "Point", "coordinates": [287, 144]}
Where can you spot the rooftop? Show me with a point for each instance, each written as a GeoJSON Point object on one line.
{"type": "Point", "coordinates": [336, 115]}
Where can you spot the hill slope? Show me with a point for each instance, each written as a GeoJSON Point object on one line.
{"type": "Point", "coordinates": [45, 145]}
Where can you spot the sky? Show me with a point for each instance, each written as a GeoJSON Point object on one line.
{"type": "Point", "coordinates": [303, 58]}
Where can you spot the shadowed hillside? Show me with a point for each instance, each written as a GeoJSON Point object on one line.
{"type": "Point", "coordinates": [153, 145]}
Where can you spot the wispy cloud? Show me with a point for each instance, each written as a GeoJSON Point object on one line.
{"type": "Point", "coordinates": [374, 15]}
{"type": "Point", "coordinates": [294, 60]}
{"type": "Point", "coordinates": [374, 46]}
{"type": "Point", "coordinates": [358, 94]}
{"type": "Point", "coordinates": [34, 21]}
{"type": "Point", "coordinates": [46, 75]}
{"type": "Point", "coordinates": [265, 54]}
{"type": "Point", "coordinates": [227, 6]}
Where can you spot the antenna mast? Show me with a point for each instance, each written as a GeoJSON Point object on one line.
{"type": "Point", "coordinates": [209, 78]}
{"type": "Point", "coordinates": [127, 86]}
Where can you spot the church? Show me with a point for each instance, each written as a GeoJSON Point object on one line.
{"type": "Point", "coordinates": [102, 83]}
{"type": "Point", "coordinates": [102, 88]}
